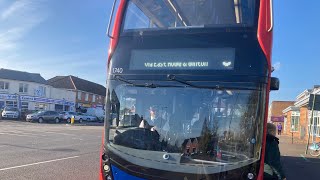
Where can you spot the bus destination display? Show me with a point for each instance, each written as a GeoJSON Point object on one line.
{"type": "Point", "coordinates": [183, 59]}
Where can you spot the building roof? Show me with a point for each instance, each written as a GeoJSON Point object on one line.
{"type": "Point", "coordinates": [61, 82]}
{"type": "Point", "coordinates": [72, 82]}
{"type": "Point", "coordinates": [277, 107]}
{"type": "Point", "coordinates": [291, 108]}
{"type": "Point", "coordinates": [273, 102]}
{"type": "Point", "coordinates": [22, 76]}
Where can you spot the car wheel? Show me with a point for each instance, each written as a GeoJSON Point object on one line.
{"type": "Point", "coordinates": [68, 120]}
{"type": "Point", "coordinates": [57, 120]}
{"type": "Point", "coordinates": [80, 120]}
{"type": "Point", "coordinates": [40, 120]}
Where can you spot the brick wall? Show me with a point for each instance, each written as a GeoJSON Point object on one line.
{"type": "Point", "coordinates": [287, 123]}
{"type": "Point", "coordinates": [303, 130]}
{"type": "Point", "coordinates": [278, 106]}
{"type": "Point", "coordinates": [303, 124]}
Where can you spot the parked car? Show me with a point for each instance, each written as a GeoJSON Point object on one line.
{"type": "Point", "coordinates": [66, 116]}
{"type": "Point", "coordinates": [10, 112]}
{"type": "Point", "coordinates": [44, 116]}
{"type": "Point", "coordinates": [25, 113]}
{"type": "Point", "coordinates": [85, 117]}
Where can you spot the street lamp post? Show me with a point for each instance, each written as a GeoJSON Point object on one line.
{"type": "Point", "coordinates": [18, 103]}
{"type": "Point", "coordinates": [63, 104]}
{"type": "Point", "coordinates": [292, 128]}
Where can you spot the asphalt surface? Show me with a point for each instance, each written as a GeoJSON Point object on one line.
{"type": "Point", "coordinates": [296, 164]}
{"type": "Point", "coordinates": [49, 151]}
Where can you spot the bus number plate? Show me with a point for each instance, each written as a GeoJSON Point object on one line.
{"type": "Point", "coordinates": [117, 70]}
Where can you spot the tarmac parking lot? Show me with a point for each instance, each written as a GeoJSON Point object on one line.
{"type": "Point", "coordinates": [49, 151]}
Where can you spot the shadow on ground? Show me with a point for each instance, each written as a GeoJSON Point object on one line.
{"type": "Point", "coordinates": [299, 168]}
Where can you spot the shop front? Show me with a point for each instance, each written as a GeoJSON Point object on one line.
{"type": "Point", "coordinates": [24, 103]}
{"type": "Point", "coordinates": [8, 100]}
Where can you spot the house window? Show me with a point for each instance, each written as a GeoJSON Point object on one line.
{"type": "Point", "coordinates": [24, 106]}
{"type": "Point", "coordinates": [87, 97]}
{"type": "Point", "coordinates": [295, 118]}
{"type": "Point", "coordinates": [11, 104]}
{"type": "Point", "coordinates": [79, 95]}
{"type": "Point", "coordinates": [93, 98]}
{"type": "Point", "coordinates": [315, 124]}
{"type": "Point", "coordinates": [40, 106]}
{"type": "Point", "coordinates": [4, 85]}
{"type": "Point", "coordinates": [23, 88]}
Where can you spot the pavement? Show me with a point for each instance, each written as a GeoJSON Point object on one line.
{"type": "Point", "coordinates": [297, 164]}
{"type": "Point", "coordinates": [49, 151]}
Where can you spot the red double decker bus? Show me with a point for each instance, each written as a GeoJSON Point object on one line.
{"type": "Point", "coordinates": [187, 89]}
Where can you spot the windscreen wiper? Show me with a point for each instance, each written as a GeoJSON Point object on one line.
{"type": "Point", "coordinates": [172, 77]}
{"type": "Point", "coordinates": [148, 85]}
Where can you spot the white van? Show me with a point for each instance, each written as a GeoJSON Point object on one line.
{"type": "Point", "coordinates": [97, 112]}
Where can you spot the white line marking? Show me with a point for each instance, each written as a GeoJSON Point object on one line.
{"type": "Point", "coordinates": [43, 162]}
{"type": "Point", "coordinates": [15, 134]}
{"type": "Point", "coordinates": [305, 158]}
{"type": "Point", "coordinates": [25, 133]}
{"type": "Point", "coordinates": [65, 134]}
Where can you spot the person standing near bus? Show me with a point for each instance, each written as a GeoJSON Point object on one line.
{"type": "Point", "coordinates": [279, 128]}
{"type": "Point", "coordinates": [272, 164]}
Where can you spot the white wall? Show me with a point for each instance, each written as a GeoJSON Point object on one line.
{"type": "Point", "coordinates": [51, 92]}
{"type": "Point", "coordinates": [68, 95]}
{"type": "Point", "coordinates": [14, 88]}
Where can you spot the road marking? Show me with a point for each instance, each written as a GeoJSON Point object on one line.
{"type": "Point", "coordinates": [15, 134]}
{"type": "Point", "coordinates": [43, 162]}
{"type": "Point", "coordinates": [25, 133]}
{"type": "Point", "coordinates": [305, 158]}
{"type": "Point", "coordinates": [65, 134]}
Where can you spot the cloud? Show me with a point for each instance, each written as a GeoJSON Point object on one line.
{"type": "Point", "coordinates": [17, 19]}
{"type": "Point", "coordinates": [277, 66]}
{"type": "Point", "coordinates": [14, 8]}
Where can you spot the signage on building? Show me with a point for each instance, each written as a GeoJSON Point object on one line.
{"type": "Point", "coordinates": [277, 118]}
{"type": "Point", "coordinates": [8, 96]}
{"type": "Point", "coordinates": [39, 92]}
{"type": "Point", "coordinates": [37, 99]}
{"type": "Point", "coordinates": [314, 102]}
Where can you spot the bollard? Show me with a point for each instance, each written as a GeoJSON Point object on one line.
{"type": "Point", "coordinates": [72, 119]}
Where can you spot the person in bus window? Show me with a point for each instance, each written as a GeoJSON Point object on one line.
{"type": "Point", "coordinates": [157, 117]}
{"type": "Point", "coordinates": [272, 164]}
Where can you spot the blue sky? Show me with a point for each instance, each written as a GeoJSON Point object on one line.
{"type": "Point", "coordinates": [296, 47]}
{"type": "Point", "coordinates": [64, 37]}
{"type": "Point", "coordinates": [59, 37]}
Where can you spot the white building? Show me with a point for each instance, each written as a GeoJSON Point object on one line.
{"type": "Point", "coordinates": [30, 91]}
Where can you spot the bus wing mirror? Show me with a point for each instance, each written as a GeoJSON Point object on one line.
{"type": "Point", "coordinates": [275, 84]}
{"type": "Point", "coordinates": [110, 19]}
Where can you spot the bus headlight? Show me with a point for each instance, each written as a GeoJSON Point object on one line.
{"type": "Point", "coordinates": [250, 176]}
{"type": "Point", "coordinates": [106, 168]}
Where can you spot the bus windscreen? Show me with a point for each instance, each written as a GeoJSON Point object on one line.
{"type": "Point", "coordinates": [183, 59]}
{"type": "Point", "coordinates": [171, 14]}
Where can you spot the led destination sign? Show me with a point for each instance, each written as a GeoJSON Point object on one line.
{"type": "Point", "coordinates": [183, 59]}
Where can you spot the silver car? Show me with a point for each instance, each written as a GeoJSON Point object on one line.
{"type": "Point", "coordinates": [44, 116]}
{"type": "Point", "coordinates": [10, 112]}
